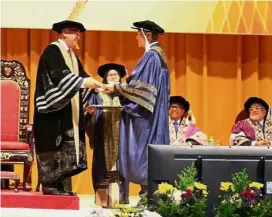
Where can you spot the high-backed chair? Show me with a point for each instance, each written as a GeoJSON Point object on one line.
{"type": "Point", "coordinates": [16, 133]}
{"type": "Point", "coordinates": [242, 116]}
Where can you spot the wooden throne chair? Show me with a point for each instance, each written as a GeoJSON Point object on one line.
{"type": "Point", "coordinates": [16, 134]}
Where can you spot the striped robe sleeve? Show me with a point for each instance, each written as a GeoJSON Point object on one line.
{"type": "Point", "coordinates": [56, 85]}
{"type": "Point", "coordinates": [140, 93]}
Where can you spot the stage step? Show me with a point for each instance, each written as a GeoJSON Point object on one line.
{"type": "Point", "coordinates": [36, 200]}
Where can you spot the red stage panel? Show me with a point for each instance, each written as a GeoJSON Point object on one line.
{"type": "Point", "coordinates": [37, 200]}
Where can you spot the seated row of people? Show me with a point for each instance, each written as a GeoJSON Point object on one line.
{"type": "Point", "coordinates": [253, 129]}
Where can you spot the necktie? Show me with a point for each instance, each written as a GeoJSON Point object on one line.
{"type": "Point", "coordinates": [176, 125]}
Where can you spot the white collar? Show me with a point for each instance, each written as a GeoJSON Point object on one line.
{"type": "Point", "coordinates": [64, 44]}
{"type": "Point", "coordinates": [258, 122]}
{"type": "Point", "coordinates": [175, 121]}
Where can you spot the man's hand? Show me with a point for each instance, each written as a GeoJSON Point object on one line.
{"type": "Point", "coordinates": [262, 143]}
{"type": "Point", "coordinates": [267, 143]}
{"type": "Point", "coordinates": [108, 88]}
{"type": "Point", "coordinates": [91, 83]}
{"type": "Point", "coordinates": [90, 109]}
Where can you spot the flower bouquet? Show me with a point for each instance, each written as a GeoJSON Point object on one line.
{"type": "Point", "coordinates": [186, 198]}
{"type": "Point", "coordinates": [243, 198]}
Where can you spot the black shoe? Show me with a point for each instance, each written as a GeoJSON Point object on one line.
{"type": "Point", "coordinates": [63, 188]}
{"type": "Point", "coordinates": [72, 193]}
{"type": "Point", "coordinates": [54, 191]}
{"type": "Point", "coordinates": [69, 192]}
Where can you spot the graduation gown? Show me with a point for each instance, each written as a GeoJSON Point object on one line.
{"type": "Point", "coordinates": [58, 116]}
{"type": "Point", "coordinates": [144, 117]}
{"type": "Point", "coordinates": [188, 133]}
{"type": "Point", "coordinates": [246, 131]}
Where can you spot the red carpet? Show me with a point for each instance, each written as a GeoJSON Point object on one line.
{"type": "Point", "coordinates": [37, 200]}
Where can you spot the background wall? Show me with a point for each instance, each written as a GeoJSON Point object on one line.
{"type": "Point", "coordinates": [216, 73]}
{"type": "Point", "coordinates": [198, 16]}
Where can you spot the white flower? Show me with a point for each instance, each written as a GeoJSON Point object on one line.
{"type": "Point", "coordinates": [150, 214]}
{"type": "Point", "coordinates": [177, 195]}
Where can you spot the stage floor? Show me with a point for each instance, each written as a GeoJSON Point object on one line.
{"type": "Point", "coordinates": [86, 206]}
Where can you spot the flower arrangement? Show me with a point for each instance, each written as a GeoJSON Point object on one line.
{"type": "Point", "coordinates": [243, 198]}
{"type": "Point", "coordinates": [186, 198]}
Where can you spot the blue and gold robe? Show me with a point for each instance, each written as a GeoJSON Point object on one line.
{"type": "Point", "coordinates": [144, 117]}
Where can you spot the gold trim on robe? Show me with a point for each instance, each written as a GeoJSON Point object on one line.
{"type": "Point", "coordinates": [71, 61]}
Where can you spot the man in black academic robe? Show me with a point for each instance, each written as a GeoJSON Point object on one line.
{"type": "Point", "coordinates": [62, 87]}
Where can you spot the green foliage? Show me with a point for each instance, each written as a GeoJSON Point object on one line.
{"type": "Point", "coordinates": [192, 204]}
{"type": "Point", "coordinates": [167, 208]}
{"type": "Point", "coordinates": [195, 208]}
{"type": "Point", "coordinates": [264, 209]}
{"type": "Point", "coordinates": [242, 200]}
{"type": "Point", "coordinates": [192, 208]}
{"type": "Point", "coordinates": [226, 210]}
{"type": "Point", "coordinates": [240, 181]}
{"type": "Point", "coordinates": [186, 178]}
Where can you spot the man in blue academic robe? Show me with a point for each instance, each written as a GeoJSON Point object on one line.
{"type": "Point", "coordinates": [144, 97]}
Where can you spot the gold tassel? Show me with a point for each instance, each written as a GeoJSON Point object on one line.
{"type": "Point", "coordinates": [77, 9]}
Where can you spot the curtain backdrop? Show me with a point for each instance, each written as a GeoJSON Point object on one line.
{"type": "Point", "coordinates": [216, 73]}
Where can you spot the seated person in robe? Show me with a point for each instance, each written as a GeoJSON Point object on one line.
{"type": "Point", "coordinates": [100, 124]}
{"type": "Point", "coordinates": [255, 130]}
{"type": "Point", "coordinates": [182, 128]}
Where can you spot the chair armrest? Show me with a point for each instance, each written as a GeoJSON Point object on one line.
{"type": "Point", "coordinates": [30, 137]}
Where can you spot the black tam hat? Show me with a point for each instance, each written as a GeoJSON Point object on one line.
{"type": "Point", "coordinates": [253, 100]}
{"type": "Point", "coordinates": [68, 24]}
{"type": "Point", "coordinates": [180, 100]}
{"type": "Point", "coordinates": [109, 66]}
{"type": "Point", "coordinates": [148, 26]}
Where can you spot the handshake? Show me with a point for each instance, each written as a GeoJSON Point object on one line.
{"type": "Point", "coordinates": [94, 84]}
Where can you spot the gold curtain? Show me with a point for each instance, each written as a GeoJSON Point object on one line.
{"type": "Point", "coordinates": [216, 73]}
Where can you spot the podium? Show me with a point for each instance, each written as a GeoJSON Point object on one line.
{"type": "Point", "coordinates": [108, 120]}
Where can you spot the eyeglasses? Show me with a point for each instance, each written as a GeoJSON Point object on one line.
{"type": "Point", "coordinates": [255, 108]}
{"type": "Point", "coordinates": [175, 107]}
{"type": "Point", "coordinates": [112, 75]}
